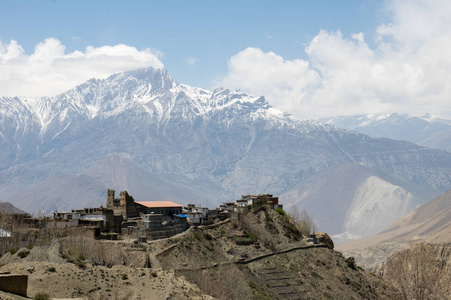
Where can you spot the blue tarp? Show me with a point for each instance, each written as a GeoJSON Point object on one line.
{"type": "Point", "coordinates": [181, 216]}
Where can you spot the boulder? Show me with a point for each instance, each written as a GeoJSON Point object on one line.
{"type": "Point", "coordinates": [324, 238]}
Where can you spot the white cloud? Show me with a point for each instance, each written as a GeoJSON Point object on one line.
{"type": "Point", "coordinates": [50, 70]}
{"type": "Point", "coordinates": [268, 36]}
{"type": "Point", "coordinates": [192, 60]}
{"type": "Point", "coordinates": [270, 75]}
{"type": "Point", "coordinates": [409, 70]}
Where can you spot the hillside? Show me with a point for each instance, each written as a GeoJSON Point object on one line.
{"type": "Point", "coordinates": [429, 223]}
{"type": "Point", "coordinates": [6, 207]}
{"type": "Point", "coordinates": [270, 261]}
{"type": "Point", "coordinates": [279, 268]}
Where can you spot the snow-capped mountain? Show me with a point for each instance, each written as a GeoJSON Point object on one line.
{"type": "Point", "coordinates": [143, 132]}
{"type": "Point", "coordinates": [427, 130]}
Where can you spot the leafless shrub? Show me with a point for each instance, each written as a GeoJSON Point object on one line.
{"type": "Point", "coordinates": [303, 220]}
{"type": "Point", "coordinates": [16, 232]}
{"type": "Point", "coordinates": [294, 214]}
{"type": "Point", "coordinates": [265, 236]}
{"type": "Point", "coordinates": [421, 272]}
{"type": "Point", "coordinates": [81, 247]}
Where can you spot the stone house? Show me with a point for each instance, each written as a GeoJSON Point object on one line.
{"type": "Point", "coordinates": [125, 205]}
{"type": "Point", "coordinates": [97, 217]}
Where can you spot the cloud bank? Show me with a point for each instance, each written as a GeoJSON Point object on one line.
{"type": "Point", "coordinates": [409, 69]}
{"type": "Point", "coordinates": [49, 70]}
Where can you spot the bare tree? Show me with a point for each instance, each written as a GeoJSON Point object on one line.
{"type": "Point", "coordinates": [306, 224]}
{"type": "Point", "coordinates": [421, 272]}
{"type": "Point", "coordinates": [303, 220]}
{"type": "Point", "coordinates": [294, 214]}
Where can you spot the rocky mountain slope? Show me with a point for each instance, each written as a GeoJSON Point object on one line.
{"type": "Point", "coordinates": [161, 140]}
{"type": "Point", "coordinates": [426, 130]}
{"type": "Point", "coordinates": [429, 223]}
{"type": "Point", "coordinates": [360, 202]}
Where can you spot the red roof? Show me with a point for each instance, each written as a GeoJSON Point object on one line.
{"type": "Point", "coordinates": [154, 204]}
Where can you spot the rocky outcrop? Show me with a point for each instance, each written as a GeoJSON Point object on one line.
{"type": "Point", "coordinates": [324, 238]}
{"type": "Point", "coordinates": [51, 253]}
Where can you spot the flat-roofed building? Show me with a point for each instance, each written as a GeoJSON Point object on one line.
{"type": "Point", "coordinates": [96, 216]}
{"type": "Point", "coordinates": [165, 208]}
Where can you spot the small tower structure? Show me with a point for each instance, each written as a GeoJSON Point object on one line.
{"type": "Point", "coordinates": [125, 205]}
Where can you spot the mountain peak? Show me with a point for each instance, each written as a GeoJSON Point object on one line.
{"type": "Point", "coordinates": [159, 79]}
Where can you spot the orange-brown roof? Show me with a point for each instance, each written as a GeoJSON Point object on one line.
{"type": "Point", "coordinates": [153, 204]}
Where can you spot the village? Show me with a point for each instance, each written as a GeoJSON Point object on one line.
{"type": "Point", "coordinates": [125, 218]}
{"type": "Point", "coordinates": [149, 220]}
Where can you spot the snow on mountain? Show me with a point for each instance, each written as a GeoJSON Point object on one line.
{"type": "Point", "coordinates": [426, 130]}
{"type": "Point", "coordinates": [143, 132]}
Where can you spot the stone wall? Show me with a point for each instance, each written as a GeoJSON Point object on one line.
{"type": "Point", "coordinates": [156, 233]}
{"type": "Point", "coordinates": [14, 283]}
{"type": "Point", "coordinates": [164, 232]}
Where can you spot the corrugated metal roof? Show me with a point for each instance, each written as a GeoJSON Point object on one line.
{"type": "Point", "coordinates": [154, 204]}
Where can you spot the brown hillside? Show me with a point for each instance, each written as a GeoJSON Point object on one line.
{"type": "Point", "coordinates": [279, 265]}
{"type": "Point", "coordinates": [436, 209]}
{"type": "Point", "coordinates": [429, 223]}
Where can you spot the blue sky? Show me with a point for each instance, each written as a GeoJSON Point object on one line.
{"type": "Point", "coordinates": [318, 58]}
{"type": "Point", "coordinates": [209, 32]}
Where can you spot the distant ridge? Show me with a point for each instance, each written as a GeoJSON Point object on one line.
{"type": "Point", "coordinates": [6, 207]}
{"type": "Point", "coordinates": [426, 130]}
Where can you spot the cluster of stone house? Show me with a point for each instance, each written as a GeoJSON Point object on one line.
{"type": "Point", "coordinates": [205, 216]}
{"type": "Point", "coordinates": [124, 215]}
{"type": "Point", "coordinates": [151, 219]}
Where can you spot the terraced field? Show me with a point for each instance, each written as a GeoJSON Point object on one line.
{"type": "Point", "coordinates": [280, 282]}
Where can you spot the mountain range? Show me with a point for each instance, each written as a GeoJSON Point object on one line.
{"type": "Point", "coordinates": [161, 140]}
{"type": "Point", "coordinates": [426, 130]}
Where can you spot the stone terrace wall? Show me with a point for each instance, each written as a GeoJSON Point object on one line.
{"type": "Point", "coordinates": [164, 232]}
{"type": "Point", "coordinates": [14, 283]}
